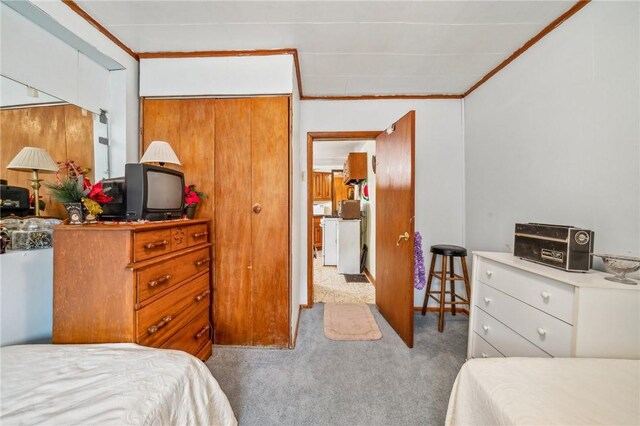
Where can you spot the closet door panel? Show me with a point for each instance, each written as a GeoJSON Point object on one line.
{"type": "Point", "coordinates": [197, 150]}
{"type": "Point", "coordinates": [161, 122]}
{"type": "Point", "coordinates": [232, 281]}
{"type": "Point", "coordinates": [270, 224]}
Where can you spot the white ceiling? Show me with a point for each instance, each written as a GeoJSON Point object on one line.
{"type": "Point", "coordinates": [333, 154]}
{"type": "Point", "coordinates": [345, 47]}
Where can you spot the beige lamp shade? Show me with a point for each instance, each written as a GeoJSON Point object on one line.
{"type": "Point", "coordinates": [160, 152]}
{"type": "Point", "coordinates": [30, 158]}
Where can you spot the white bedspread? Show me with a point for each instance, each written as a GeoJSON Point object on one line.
{"type": "Point", "coordinates": [108, 384]}
{"type": "Point", "coordinates": [536, 391]}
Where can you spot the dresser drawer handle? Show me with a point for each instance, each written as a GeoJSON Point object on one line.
{"type": "Point", "coordinates": [201, 332]}
{"type": "Point", "coordinates": [489, 273]}
{"type": "Point", "coordinates": [541, 331]}
{"type": "Point", "coordinates": [202, 295]}
{"type": "Point", "coordinates": [485, 328]}
{"type": "Point", "coordinates": [156, 244]}
{"type": "Point", "coordinates": [200, 234]}
{"type": "Point", "coordinates": [484, 355]}
{"type": "Point", "coordinates": [202, 262]}
{"type": "Point", "coordinates": [166, 320]}
{"type": "Point", "coordinates": [487, 300]}
{"type": "Point", "coordinates": [545, 295]}
{"type": "Point", "coordinates": [159, 281]}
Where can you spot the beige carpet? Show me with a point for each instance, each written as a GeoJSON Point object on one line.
{"type": "Point", "coordinates": [331, 287]}
{"type": "Point", "coordinates": [350, 321]}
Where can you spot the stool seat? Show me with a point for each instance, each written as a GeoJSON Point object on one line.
{"type": "Point", "coordinates": [448, 250]}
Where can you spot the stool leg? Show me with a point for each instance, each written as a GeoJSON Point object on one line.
{"type": "Point", "coordinates": [465, 274]}
{"type": "Point", "coordinates": [426, 294]}
{"type": "Point", "coordinates": [452, 285]}
{"type": "Point", "coordinates": [443, 286]}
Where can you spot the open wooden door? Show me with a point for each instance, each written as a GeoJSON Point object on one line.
{"type": "Point", "coordinates": [395, 206]}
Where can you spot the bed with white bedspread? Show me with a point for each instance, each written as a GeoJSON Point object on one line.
{"type": "Point", "coordinates": [546, 391]}
{"type": "Point", "coordinates": [108, 384]}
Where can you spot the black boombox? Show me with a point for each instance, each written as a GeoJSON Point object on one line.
{"type": "Point", "coordinates": [563, 247]}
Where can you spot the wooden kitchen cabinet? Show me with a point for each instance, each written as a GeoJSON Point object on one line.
{"type": "Point", "coordinates": [355, 168]}
{"type": "Point", "coordinates": [326, 186]}
{"type": "Point", "coordinates": [317, 232]}
{"type": "Point", "coordinates": [321, 186]}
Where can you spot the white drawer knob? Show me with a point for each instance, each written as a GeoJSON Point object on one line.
{"type": "Point", "coordinates": [489, 273]}
{"type": "Point", "coordinates": [486, 328]}
{"type": "Point", "coordinates": [545, 295]}
{"type": "Point", "coordinates": [487, 300]}
{"type": "Point", "coordinates": [484, 355]}
{"type": "Point", "coordinates": [542, 331]}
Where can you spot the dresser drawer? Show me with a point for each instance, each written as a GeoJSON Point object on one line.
{"type": "Point", "coordinates": [482, 348]}
{"type": "Point", "coordinates": [158, 321]}
{"type": "Point", "coordinates": [540, 328]}
{"type": "Point", "coordinates": [550, 296]}
{"type": "Point", "coordinates": [179, 238]}
{"type": "Point", "coordinates": [505, 340]}
{"type": "Point", "coordinates": [150, 244]}
{"type": "Point", "coordinates": [157, 278]}
{"type": "Point", "coordinates": [198, 234]}
{"type": "Point", "coordinates": [192, 336]}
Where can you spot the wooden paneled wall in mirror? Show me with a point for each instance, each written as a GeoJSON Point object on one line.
{"type": "Point", "coordinates": [29, 117]}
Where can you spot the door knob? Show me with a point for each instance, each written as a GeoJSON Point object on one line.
{"type": "Point", "coordinates": [404, 237]}
{"type": "Point", "coordinates": [257, 208]}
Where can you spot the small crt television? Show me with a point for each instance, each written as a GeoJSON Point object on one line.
{"type": "Point", "coordinates": [153, 193]}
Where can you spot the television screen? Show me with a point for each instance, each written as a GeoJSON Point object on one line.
{"type": "Point", "coordinates": [164, 191]}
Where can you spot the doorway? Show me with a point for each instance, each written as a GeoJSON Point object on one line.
{"type": "Point", "coordinates": [343, 213]}
{"type": "Point", "coordinates": [394, 168]}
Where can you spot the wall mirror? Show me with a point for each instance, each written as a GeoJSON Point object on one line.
{"type": "Point", "coordinates": [30, 117]}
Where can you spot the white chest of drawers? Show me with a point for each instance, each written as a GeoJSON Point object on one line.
{"type": "Point", "coordinates": [520, 308]}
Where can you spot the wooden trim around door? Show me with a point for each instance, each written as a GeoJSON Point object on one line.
{"type": "Point", "coordinates": [312, 137]}
{"type": "Point", "coordinates": [80, 11]}
{"type": "Point", "coordinates": [546, 30]}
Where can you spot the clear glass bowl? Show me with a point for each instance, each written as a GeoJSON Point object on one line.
{"type": "Point", "coordinates": [620, 266]}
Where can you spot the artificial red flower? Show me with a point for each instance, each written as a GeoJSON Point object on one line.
{"type": "Point", "coordinates": [97, 194]}
{"type": "Point", "coordinates": [86, 184]}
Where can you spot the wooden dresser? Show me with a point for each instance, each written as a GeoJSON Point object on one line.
{"type": "Point", "coordinates": [524, 309]}
{"type": "Point", "coordinates": [144, 283]}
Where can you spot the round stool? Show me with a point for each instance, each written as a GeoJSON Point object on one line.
{"type": "Point", "coordinates": [447, 252]}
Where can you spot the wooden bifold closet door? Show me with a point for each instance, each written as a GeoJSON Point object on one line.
{"type": "Point", "coordinates": [251, 296]}
{"type": "Point", "coordinates": [237, 151]}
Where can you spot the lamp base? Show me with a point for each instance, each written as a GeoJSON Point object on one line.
{"type": "Point", "coordinates": [35, 185]}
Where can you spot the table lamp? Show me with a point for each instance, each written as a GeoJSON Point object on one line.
{"type": "Point", "coordinates": [160, 152]}
{"type": "Point", "coordinates": [34, 160]}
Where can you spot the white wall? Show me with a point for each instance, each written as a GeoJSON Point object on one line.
{"type": "Point", "coordinates": [228, 75]}
{"type": "Point", "coordinates": [41, 60]}
{"type": "Point", "coordinates": [439, 167]}
{"type": "Point", "coordinates": [26, 305]}
{"type": "Point", "coordinates": [554, 137]}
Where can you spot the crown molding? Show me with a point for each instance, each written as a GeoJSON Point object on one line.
{"type": "Point", "coordinates": [294, 52]}
{"type": "Point", "coordinates": [80, 11]}
{"type": "Point", "coordinates": [546, 30]}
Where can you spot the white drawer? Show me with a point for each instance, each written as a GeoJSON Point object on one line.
{"type": "Point", "coordinates": [505, 340]}
{"type": "Point", "coordinates": [541, 329]}
{"type": "Point", "coordinates": [482, 348]}
{"type": "Point", "coordinates": [550, 296]}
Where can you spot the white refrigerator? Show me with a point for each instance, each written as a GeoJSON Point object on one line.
{"type": "Point", "coordinates": [349, 246]}
{"type": "Point", "coordinates": [329, 241]}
